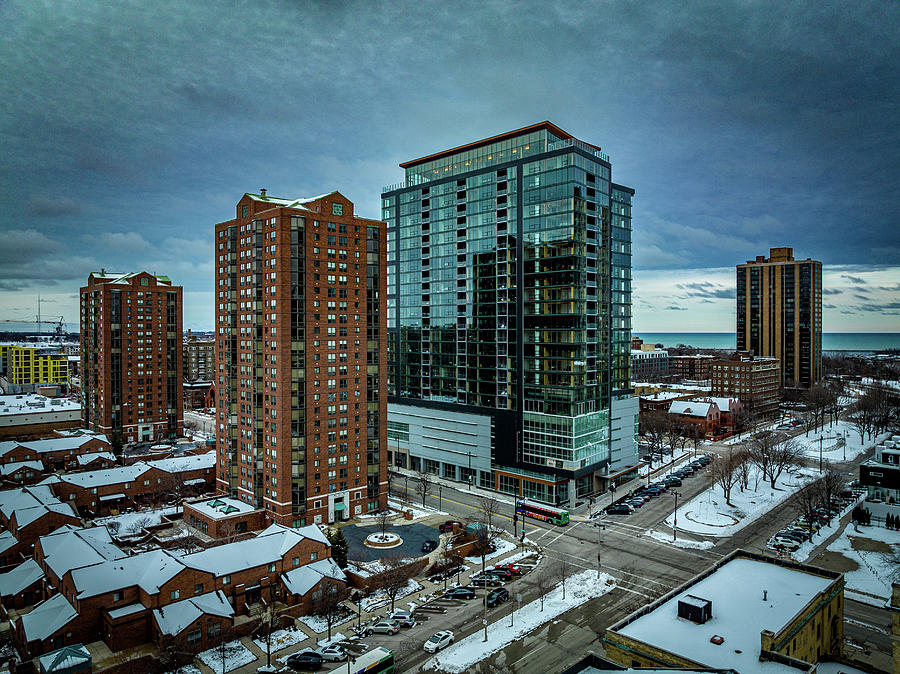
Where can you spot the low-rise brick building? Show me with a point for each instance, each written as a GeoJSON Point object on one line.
{"type": "Point", "coordinates": [59, 453]}
{"type": "Point", "coordinates": [222, 516]}
{"type": "Point", "coordinates": [700, 413]}
{"type": "Point", "coordinates": [27, 513]}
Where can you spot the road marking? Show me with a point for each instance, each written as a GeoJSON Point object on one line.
{"type": "Point", "coordinates": [563, 533]}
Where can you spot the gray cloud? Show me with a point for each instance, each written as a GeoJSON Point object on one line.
{"type": "Point", "coordinates": [831, 291]}
{"type": "Point", "coordinates": [854, 279]}
{"type": "Point", "coordinates": [673, 307]}
{"type": "Point", "coordinates": [708, 290]}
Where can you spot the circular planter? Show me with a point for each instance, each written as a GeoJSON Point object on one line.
{"type": "Point", "coordinates": [380, 540]}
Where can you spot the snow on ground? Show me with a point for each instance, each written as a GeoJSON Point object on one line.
{"type": "Point", "coordinates": [188, 669]}
{"type": "Point", "coordinates": [336, 638]}
{"type": "Point", "coordinates": [832, 448]}
{"type": "Point", "coordinates": [669, 459]}
{"type": "Point", "coordinates": [461, 655]}
{"type": "Point", "coordinates": [663, 537]}
{"type": "Point", "coordinates": [871, 582]}
{"type": "Point", "coordinates": [802, 553]}
{"type": "Point", "coordinates": [513, 559]}
{"type": "Point", "coordinates": [380, 598]}
{"type": "Point", "coordinates": [236, 655]}
{"type": "Point", "coordinates": [418, 511]}
{"type": "Point", "coordinates": [319, 625]}
{"type": "Point", "coordinates": [501, 545]}
{"type": "Point", "coordinates": [367, 569]}
{"type": "Point", "coordinates": [281, 639]}
{"type": "Point", "coordinates": [129, 524]}
{"type": "Point", "coordinates": [708, 514]}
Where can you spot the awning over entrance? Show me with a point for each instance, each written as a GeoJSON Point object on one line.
{"type": "Point", "coordinates": [339, 506]}
{"type": "Point", "coordinates": [112, 497]}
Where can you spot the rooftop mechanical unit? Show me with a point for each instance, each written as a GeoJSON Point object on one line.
{"type": "Point", "coordinates": [693, 608]}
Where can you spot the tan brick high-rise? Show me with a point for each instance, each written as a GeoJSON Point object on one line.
{"type": "Point", "coordinates": [300, 358]}
{"type": "Point", "coordinates": [779, 313]}
{"type": "Point", "coordinates": [131, 356]}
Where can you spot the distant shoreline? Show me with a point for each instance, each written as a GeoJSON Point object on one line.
{"type": "Point", "coordinates": [841, 342]}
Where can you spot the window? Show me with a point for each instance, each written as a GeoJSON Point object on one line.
{"type": "Point", "coordinates": [213, 629]}
{"type": "Point", "coordinates": [226, 580]}
{"type": "Point", "coordinates": [296, 561]}
{"type": "Point", "coordinates": [175, 594]}
{"type": "Point", "coordinates": [245, 210]}
{"type": "Point", "coordinates": [194, 636]}
{"type": "Point", "coordinates": [337, 209]}
{"type": "Point", "coordinates": [198, 588]}
{"type": "Point", "coordinates": [313, 556]}
{"type": "Point", "coordinates": [272, 567]}
{"type": "Point", "coordinates": [117, 596]}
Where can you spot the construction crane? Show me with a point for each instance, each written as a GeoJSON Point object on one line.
{"type": "Point", "coordinates": [59, 330]}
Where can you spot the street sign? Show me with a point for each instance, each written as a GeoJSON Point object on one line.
{"type": "Point", "coordinates": [484, 622]}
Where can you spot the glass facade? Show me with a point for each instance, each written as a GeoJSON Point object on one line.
{"type": "Point", "coordinates": [509, 290]}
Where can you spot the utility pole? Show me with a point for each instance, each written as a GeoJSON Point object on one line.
{"type": "Point", "coordinates": [600, 528]}
{"type": "Point", "coordinates": [484, 618]}
{"type": "Point", "coordinates": [675, 527]}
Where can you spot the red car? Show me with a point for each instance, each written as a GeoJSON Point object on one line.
{"type": "Point", "coordinates": [448, 526]}
{"type": "Point", "coordinates": [512, 568]}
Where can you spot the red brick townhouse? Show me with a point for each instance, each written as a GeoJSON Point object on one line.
{"type": "Point", "coordinates": [22, 586]}
{"type": "Point", "coordinates": [27, 513]}
{"type": "Point", "coordinates": [703, 414]}
{"type": "Point", "coordinates": [98, 492]}
{"type": "Point", "coordinates": [192, 598]}
{"type": "Point", "coordinates": [21, 472]}
{"type": "Point", "coordinates": [56, 453]}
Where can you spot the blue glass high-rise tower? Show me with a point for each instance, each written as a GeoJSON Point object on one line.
{"type": "Point", "coordinates": [509, 316]}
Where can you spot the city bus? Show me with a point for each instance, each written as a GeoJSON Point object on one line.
{"type": "Point", "coordinates": [539, 511]}
{"type": "Point", "coordinates": [378, 660]}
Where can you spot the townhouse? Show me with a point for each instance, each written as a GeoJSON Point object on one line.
{"type": "Point", "coordinates": [55, 453]}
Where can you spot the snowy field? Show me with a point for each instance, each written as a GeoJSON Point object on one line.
{"type": "Point", "coordinates": [318, 624]}
{"type": "Point", "coordinates": [502, 546]}
{"type": "Point", "coordinates": [806, 548]}
{"type": "Point", "coordinates": [236, 655]}
{"type": "Point", "coordinates": [832, 448]}
{"type": "Point", "coordinates": [281, 639]}
{"type": "Point", "coordinates": [418, 511]}
{"type": "Point", "coordinates": [367, 569]}
{"type": "Point", "coordinates": [380, 598]}
{"type": "Point", "coordinates": [130, 524]}
{"type": "Point", "coordinates": [869, 548]}
{"type": "Point", "coordinates": [460, 656]}
{"type": "Point", "coordinates": [709, 515]}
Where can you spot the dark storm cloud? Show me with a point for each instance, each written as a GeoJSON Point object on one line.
{"type": "Point", "coordinates": [854, 279]}
{"type": "Point", "coordinates": [708, 290]}
{"type": "Point", "coordinates": [737, 123]}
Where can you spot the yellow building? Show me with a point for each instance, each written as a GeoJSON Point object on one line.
{"type": "Point", "coordinates": [749, 612]}
{"type": "Point", "coordinates": [35, 365]}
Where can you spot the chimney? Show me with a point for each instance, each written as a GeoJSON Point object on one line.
{"type": "Point", "coordinates": [765, 593]}
{"type": "Point", "coordinates": [262, 191]}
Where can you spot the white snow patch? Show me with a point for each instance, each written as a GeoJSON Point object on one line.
{"type": "Point", "coordinates": [318, 624]}
{"type": "Point", "coordinates": [663, 537]}
{"type": "Point", "coordinates": [336, 638]}
{"type": "Point", "coordinates": [709, 515]}
{"type": "Point", "coordinates": [281, 639]}
{"type": "Point", "coordinates": [418, 511]}
{"type": "Point", "coordinates": [130, 524]}
{"type": "Point", "coordinates": [380, 598]}
{"type": "Point", "coordinates": [832, 446]}
{"type": "Point", "coordinates": [871, 582]}
{"type": "Point", "coordinates": [501, 545]}
{"type": "Point", "coordinates": [236, 655]}
{"type": "Point", "coordinates": [463, 654]}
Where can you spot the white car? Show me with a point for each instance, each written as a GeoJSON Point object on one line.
{"type": "Point", "coordinates": [440, 640]}
{"type": "Point", "coordinates": [333, 653]}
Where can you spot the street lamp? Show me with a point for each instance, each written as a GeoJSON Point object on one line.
{"type": "Point", "coordinates": [440, 498]}
{"type": "Point", "coordinates": [675, 527]}
{"type": "Point", "coordinates": [600, 528]}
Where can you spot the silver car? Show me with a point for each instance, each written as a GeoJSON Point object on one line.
{"type": "Point", "coordinates": [383, 627]}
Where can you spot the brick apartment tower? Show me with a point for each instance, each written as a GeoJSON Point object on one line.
{"type": "Point", "coordinates": [779, 313]}
{"type": "Point", "coordinates": [131, 355]}
{"type": "Point", "coordinates": [300, 358]}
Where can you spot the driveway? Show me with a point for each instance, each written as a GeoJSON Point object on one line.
{"type": "Point", "coordinates": [413, 536]}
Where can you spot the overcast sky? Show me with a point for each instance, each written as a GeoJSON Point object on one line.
{"type": "Point", "coordinates": [128, 129]}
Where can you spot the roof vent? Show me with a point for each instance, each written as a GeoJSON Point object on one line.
{"type": "Point", "coordinates": [695, 609]}
{"type": "Point", "coordinates": [262, 191]}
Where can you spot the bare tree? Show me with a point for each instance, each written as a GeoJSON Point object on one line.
{"type": "Point", "coordinates": [784, 455]}
{"type": "Point", "coordinates": [425, 481]}
{"type": "Point", "coordinates": [653, 428]}
{"type": "Point", "coordinates": [267, 623]}
{"type": "Point", "coordinates": [862, 416]}
{"type": "Point", "coordinates": [169, 658]}
{"type": "Point", "coordinates": [743, 470]}
{"type": "Point", "coordinates": [808, 499]}
{"type": "Point", "coordinates": [542, 583]}
{"type": "Point", "coordinates": [382, 519]}
{"type": "Point", "coordinates": [394, 578]}
{"type": "Point", "coordinates": [725, 473]}
{"type": "Point", "coordinates": [562, 570]}
{"type": "Point", "coordinates": [761, 451]}
{"type": "Point", "coordinates": [328, 602]}
{"type": "Point", "coordinates": [832, 486]}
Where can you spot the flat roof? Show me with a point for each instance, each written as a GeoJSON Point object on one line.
{"type": "Point", "coordinates": [33, 403]}
{"type": "Point", "coordinates": [221, 506]}
{"type": "Point", "coordinates": [549, 126]}
{"type": "Point", "coordinates": [739, 614]}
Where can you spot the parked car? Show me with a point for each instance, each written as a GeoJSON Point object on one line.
{"type": "Point", "coordinates": [429, 545]}
{"type": "Point", "coordinates": [635, 502]}
{"type": "Point", "coordinates": [448, 526]}
{"type": "Point", "coordinates": [305, 660]}
{"type": "Point", "coordinates": [788, 544]}
{"type": "Point", "coordinates": [404, 618]}
{"type": "Point", "coordinates": [486, 580]}
{"type": "Point", "coordinates": [386, 626]}
{"type": "Point", "coordinates": [673, 481]}
{"type": "Point", "coordinates": [512, 568]}
{"type": "Point", "coordinates": [439, 640]}
{"type": "Point", "coordinates": [496, 596]}
{"type": "Point", "coordinates": [620, 509]}
{"type": "Point", "coordinates": [503, 574]}
{"type": "Point", "coordinates": [705, 460]}
{"type": "Point", "coordinates": [460, 593]}
{"type": "Point", "coordinates": [333, 653]}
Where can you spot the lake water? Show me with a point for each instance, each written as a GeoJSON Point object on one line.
{"type": "Point", "coordinates": [831, 341]}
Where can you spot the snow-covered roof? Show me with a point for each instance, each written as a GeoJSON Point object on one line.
{"type": "Point", "coordinates": [724, 404]}
{"type": "Point", "coordinates": [33, 403]}
{"type": "Point", "coordinates": [101, 478]}
{"type": "Point", "coordinates": [739, 614]}
{"type": "Point", "coordinates": [10, 468]}
{"type": "Point", "coordinates": [269, 546]}
{"type": "Point", "coordinates": [7, 540]}
{"type": "Point", "coordinates": [221, 506]}
{"type": "Point", "coordinates": [85, 459]}
{"type": "Point", "coordinates": [288, 203]}
{"type": "Point", "coordinates": [47, 618]}
{"type": "Point", "coordinates": [662, 395]}
{"type": "Point", "coordinates": [180, 464]}
{"type": "Point", "coordinates": [692, 408]}
{"type": "Point", "coordinates": [67, 548]}
{"type": "Point", "coordinates": [61, 444]}
{"type": "Point", "coordinates": [64, 658]}
{"type": "Point", "coordinates": [125, 278]}
{"type": "Point", "coordinates": [20, 578]}
{"type": "Point", "coordinates": [301, 580]}
{"type": "Point", "coordinates": [25, 497]}
{"type": "Point", "coordinates": [26, 516]}
{"type": "Point", "coordinates": [175, 618]}
{"type": "Point", "coordinates": [148, 570]}
{"type": "Point", "coordinates": [123, 611]}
